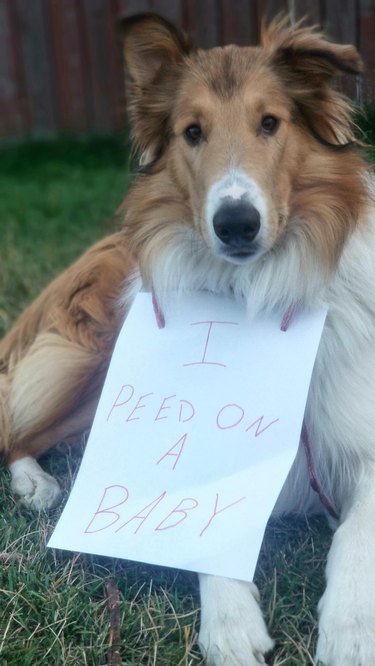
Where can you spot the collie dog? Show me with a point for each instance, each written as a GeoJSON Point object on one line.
{"type": "Point", "coordinates": [251, 184]}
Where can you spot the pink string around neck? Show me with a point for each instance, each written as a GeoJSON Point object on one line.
{"type": "Point", "coordinates": [159, 316]}
{"type": "Point", "coordinates": [315, 485]}
{"type": "Point", "coordinates": [288, 316]}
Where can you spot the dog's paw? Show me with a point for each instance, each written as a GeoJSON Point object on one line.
{"type": "Point", "coordinates": [345, 639]}
{"type": "Point", "coordinates": [347, 607]}
{"type": "Point", "coordinates": [227, 643]}
{"type": "Point", "coordinates": [233, 632]}
{"type": "Point", "coordinates": [346, 634]}
{"type": "Point", "coordinates": [35, 488]}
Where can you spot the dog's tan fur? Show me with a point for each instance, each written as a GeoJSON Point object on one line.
{"type": "Point", "coordinates": [54, 359]}
{"type": "Point", "coordinates": [203, 125]}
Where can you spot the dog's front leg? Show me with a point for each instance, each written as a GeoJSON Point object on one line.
{"type": "Point", "coordinates": [347, 608]}
{"type": "Point", "coordinates": [233, 631]}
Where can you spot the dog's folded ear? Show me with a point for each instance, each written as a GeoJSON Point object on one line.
{"type": "Point", "coordinates": [153, 51]}
{"type": "Point", "coordinates": [307, 53]}
{"type": "Point", "coordinates": [151, 44]}
{"type": "Point", "coordinates": [309, 64]}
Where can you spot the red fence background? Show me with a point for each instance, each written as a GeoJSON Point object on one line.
{"type": "Point", "coordinates": [61, 66]}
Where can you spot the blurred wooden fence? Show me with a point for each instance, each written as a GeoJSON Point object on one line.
{"type": "Point", "coordinates": [60, 60]}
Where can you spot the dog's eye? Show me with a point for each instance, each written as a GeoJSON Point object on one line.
{"type": "Point", "coordinates": [193, 135]}
{"type": "Point", "coordinates": [269, 124]}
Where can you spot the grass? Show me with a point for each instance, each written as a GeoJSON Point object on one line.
{"type": "Point", "coordinates": [54, 201]}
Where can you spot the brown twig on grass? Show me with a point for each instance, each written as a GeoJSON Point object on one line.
{"type": "Point", "coordinates": [114, 658]}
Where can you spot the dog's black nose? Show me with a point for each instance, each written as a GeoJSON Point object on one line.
{"type": "Point", "coordinates": [237, 224]}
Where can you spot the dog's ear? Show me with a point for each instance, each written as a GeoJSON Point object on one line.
{"type": "Point", "coordinates": [310, 65]}
{"type": "Point", "coordinates": [154, 51]}
{"type": "Point", "coordinates": [150, 45]}
{"type": "Point", "coordinates": [307, 52]}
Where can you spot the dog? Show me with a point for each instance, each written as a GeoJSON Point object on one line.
{"type": "Point", "coordinates": [251, 184]}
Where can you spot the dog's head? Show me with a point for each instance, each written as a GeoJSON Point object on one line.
{"type": "Point", "coordinates": [246, 152]}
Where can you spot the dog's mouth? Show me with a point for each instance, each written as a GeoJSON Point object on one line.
{"type": "Point", "coordinates": [237, 256]}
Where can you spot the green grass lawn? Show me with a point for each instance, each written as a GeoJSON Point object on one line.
{"type": "Point", "coordinates": [54, 201]}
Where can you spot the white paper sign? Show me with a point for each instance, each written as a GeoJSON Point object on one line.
{"type": "Point", "coordinates": [197, 427]}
